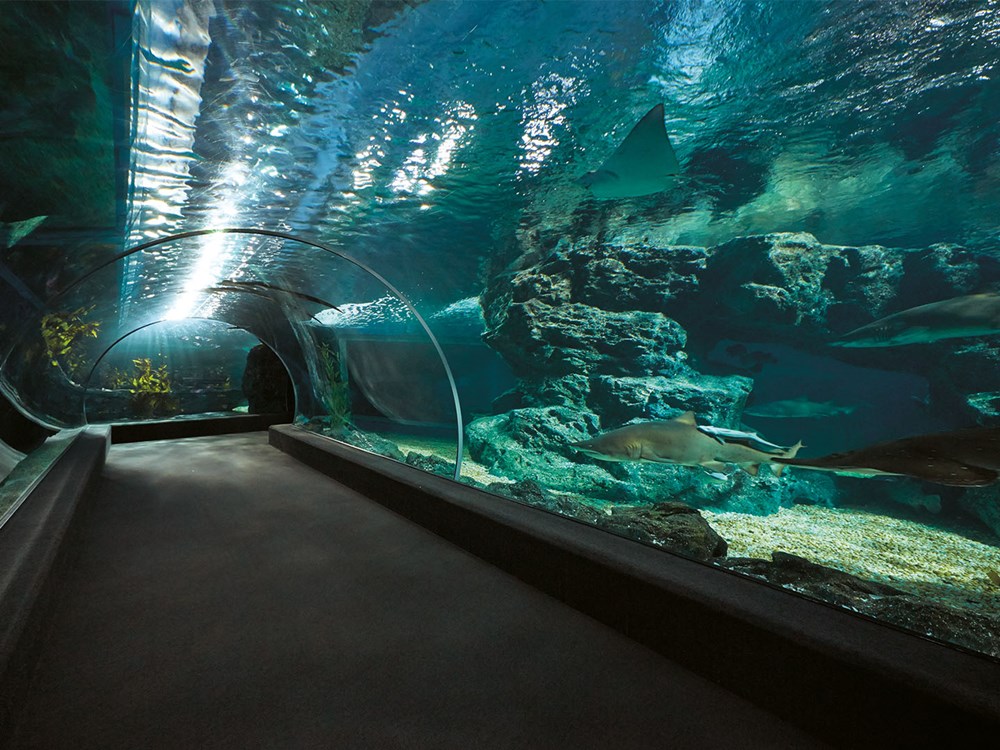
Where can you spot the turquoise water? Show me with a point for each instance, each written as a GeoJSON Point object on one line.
{"type": "Point", "coordinates": [457, 235]}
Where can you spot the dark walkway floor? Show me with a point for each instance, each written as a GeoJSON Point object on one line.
{"type": "Point", "coordinates": [226, 596]}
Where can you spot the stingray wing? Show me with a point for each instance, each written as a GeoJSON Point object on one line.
{"type": "Point", "coordinates": [644, 163]}
{"type": "Point", "coordinates": [955, 474]}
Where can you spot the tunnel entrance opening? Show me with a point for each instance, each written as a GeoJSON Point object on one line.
{"type": "Point", "coordinates": [176, 369]}
{"type": "Point", "coordinates": [266, 383]}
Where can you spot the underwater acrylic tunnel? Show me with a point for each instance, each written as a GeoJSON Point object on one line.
{"type": "Point", "coordinates": [314, 355]}
{"type": "Point", "coordinates": [592, 262]}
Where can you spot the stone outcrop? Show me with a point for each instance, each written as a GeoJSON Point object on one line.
{"type": "Point", "coordinates": [612, 334]}
{"type": "Point", "coordinates": [676, 527]}
{"type": "Point", "coordinates": [968, 628]}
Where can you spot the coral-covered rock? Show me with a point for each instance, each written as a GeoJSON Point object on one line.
{"type": "Point", "coordinates": [534, 444]}
{"type": "Point", "coordinates": [614, 278]}
{"type": "Point", "coordinates": [569, 390]}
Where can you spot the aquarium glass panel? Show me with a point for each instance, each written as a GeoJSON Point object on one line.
{"type": "Point", "coordinates": [719, 277]}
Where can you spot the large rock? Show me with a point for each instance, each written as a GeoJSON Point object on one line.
{"type": "Point", "coordinates": [984, 504]}
{"type": "Point", "coordinates": [778, 281]}
{"type": "Point", "coordinates": [616, 400]}
{"type": "Point", "coordinates": [669, 525]}
{"type": "Point", "coordinates": [608, 277]}
{"type": "Point", "coordinates": [539, 339]}
{"type": "Point", "coordinates": [807, 577]}
{"type": "Point", "coordinates": [967, 628]}
{"type": "Point", "coordinates": [789, 286]}
{"type": "Point", "coordinates": [717, 400]}
{"type": "Point", "coordinates": [673, 526]}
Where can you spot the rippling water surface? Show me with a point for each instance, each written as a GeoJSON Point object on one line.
{"type": "Point", "coordinates": [417, 144]}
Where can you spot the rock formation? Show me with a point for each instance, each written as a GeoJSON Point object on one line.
{"type": "Point", "coordinates": [600, 335]}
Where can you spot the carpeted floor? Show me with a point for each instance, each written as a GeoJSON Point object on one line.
{"type": "Point", "coordinates": [226, 596]}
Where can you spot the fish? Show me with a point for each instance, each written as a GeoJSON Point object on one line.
{"type": "Point", "coordinates": [677, 441]}
{"type": "Point", "coordinates": [643, 164]}
{"type": "Point", "coordinates": [799, 408]}
{"type": "Point", "coordinates": [262, 287]}
{"type": "Point", "coordinates": [962, 458]}
{"type": "Point", "coordinates": [969, 315]}
{"type": "Point", "coordinates": [13, 232]}
{"type": "Point", "coordinates": [739, 436]}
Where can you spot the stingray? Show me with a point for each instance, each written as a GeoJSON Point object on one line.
{"type": "Point", "coordinates": [971, 315]}
{"type": "Point", "coordinates": [963, 458]}
{"type": "Point", "coordinates": [644, 163]}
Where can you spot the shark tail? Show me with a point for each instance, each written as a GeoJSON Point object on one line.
{"type": "Point", "coordinates": [790, 453]}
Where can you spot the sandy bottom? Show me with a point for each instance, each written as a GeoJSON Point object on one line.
{"type": "Point", "coordinates": [445, 448]}
{"type": "Point", "coordinates": [944, 566]}
{"type": "Point", "coordinates": [940, 565]}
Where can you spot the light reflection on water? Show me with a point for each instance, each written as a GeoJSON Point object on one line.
{"type": "Point", "coordinates": [457, 116]}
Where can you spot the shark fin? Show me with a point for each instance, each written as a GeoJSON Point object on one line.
{"type": "Point", "coordinates": [750, 469]}
{"type": "Point", "coordinates": [777, 469]}
{"type": "Point", "coordinates": [687, 418]}
{"type": "Point", "coordinates": [790, 453]}
{"type": "Point", "coordinates": [715, 469]}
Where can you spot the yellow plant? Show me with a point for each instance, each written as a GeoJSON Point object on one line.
{"type": "Point", "coordinates": [150, 388]}
{"type": "Point", "coordinates": [64, 332]}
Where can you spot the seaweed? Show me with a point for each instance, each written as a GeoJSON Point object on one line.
{"type": "Point", "coordinates": [150, 388]}
{"type": "Point", "coordinates": [335, 392]}
{"type": "Point", "coordinates": [64, 334]}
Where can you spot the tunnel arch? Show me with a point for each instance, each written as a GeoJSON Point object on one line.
{"type": "Point", "coordinates": [87, 383]}
{"type": "Point", "coordinates": [77, 283]}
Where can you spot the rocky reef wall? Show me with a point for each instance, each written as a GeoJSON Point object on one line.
{"type": "Point", "coordinates": [600, 334]}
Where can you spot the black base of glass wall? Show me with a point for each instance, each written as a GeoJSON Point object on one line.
{"type": "Point", "coordinates": [848, 679]}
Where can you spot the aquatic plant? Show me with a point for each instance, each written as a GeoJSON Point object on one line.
{"type": "Point", "coordinates": [150, 388]}
{"type": "Point", "coordinates": [64, 333]}
{"type": "Point", "coordinates": [333, 388]}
